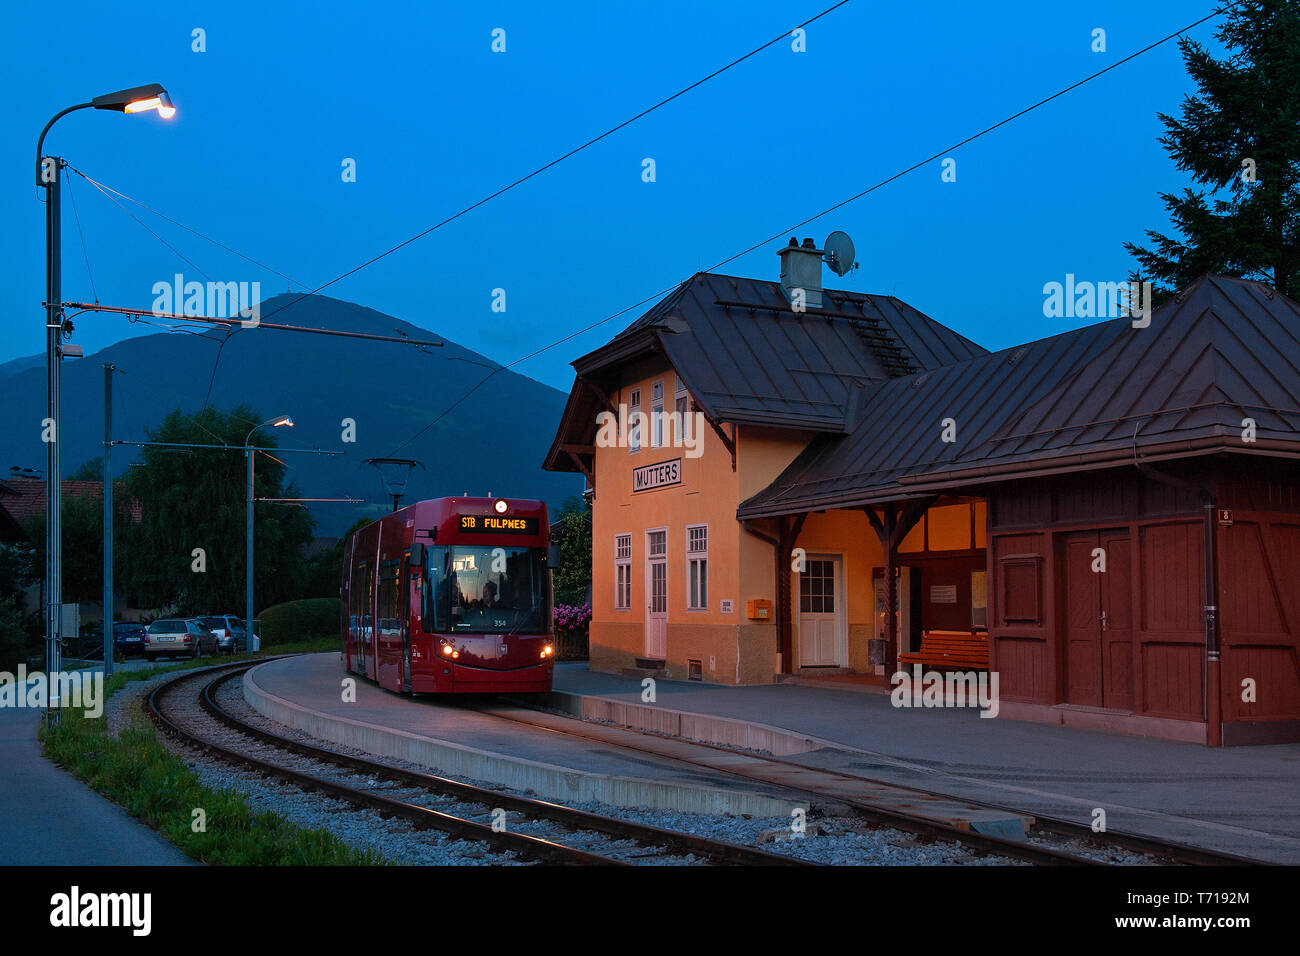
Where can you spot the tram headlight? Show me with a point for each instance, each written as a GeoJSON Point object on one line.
{"type": "Point", "coordinates": [501, 506]}
{"type": "Point", "coordinates": [547, 651]}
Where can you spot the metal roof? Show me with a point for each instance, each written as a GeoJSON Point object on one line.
{"type": "Point", "coordinates": [747, 357]}
{"type": "Point", "coordinates": [1222, 351]}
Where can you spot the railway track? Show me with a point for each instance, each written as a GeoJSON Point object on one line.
{"type": "Point", "coordinates": [1044, 830]}
{"type": "Point", "coordinates": [561, 835]}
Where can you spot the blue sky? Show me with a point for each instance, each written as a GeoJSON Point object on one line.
{"type": "Point", "coordinates": [435, 120]}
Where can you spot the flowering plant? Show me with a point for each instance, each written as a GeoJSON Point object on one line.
{"type": "Point", "coordinates": [573, 618]}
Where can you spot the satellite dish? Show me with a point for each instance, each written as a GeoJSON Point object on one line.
{"type": "Point", "coordinates": [838, 252]}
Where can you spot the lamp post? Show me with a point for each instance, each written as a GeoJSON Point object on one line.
{"type": "Point", "coordinates": [275, 422]}
{"type": "Point", "coordinates": [49, 176]}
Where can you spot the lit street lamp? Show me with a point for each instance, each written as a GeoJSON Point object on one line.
{"type": "Point", "coordinates": [49, 176]}
{"type": "Point", "coordinates": [275, 422]}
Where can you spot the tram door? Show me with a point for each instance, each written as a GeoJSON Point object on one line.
{"type": "Point", "coordinates": [404, 616]}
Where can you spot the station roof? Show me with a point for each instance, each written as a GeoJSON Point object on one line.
{"type": "Point", "coordinates": [1223, 350]}
{"type": "Point", "coordinates": [747, 357]}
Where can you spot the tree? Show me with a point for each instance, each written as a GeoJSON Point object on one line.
{"type": "Point", "coordinates": [83, 547]}
{"type": "Point", "coordinates": [325, 568]}
{"type": "Point", "coordinates": [187, 552]}
{"type": "Point", "coordinates": [571, 530]}
{"type": "Point", "coordinates": [1239, 138]}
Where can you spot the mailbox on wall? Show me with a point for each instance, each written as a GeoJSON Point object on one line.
{"type": "Point", "coordinates": [759, 609]}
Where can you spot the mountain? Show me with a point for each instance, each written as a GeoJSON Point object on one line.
{"type": "Point", "coordinates": [17, 365]}
{"type": "Point", "coordinates": [493, 441]}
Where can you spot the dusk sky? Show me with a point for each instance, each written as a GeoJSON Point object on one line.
{"type": "Point", "coordinates": [435, 120]}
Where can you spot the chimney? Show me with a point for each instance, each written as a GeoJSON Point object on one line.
{"type": "Point", "coordinates": [801, 268]}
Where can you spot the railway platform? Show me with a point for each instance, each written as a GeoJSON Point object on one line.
{"type": "Point", "coordinates": [450, 736]}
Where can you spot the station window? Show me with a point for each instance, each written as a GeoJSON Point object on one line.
{"type": "Point", "coordinates": [697, 567]}
{"type": "Point", "coordinates": [682, 405]}
{"type": "Point", "coordinates": [657, 415]}
{"type": "Point", "coordinates": [634, 421]}
{"type": "Point", "coordinates": [622, 572]}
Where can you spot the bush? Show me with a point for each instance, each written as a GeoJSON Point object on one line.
{"type": "Point", "coordinates": [572, 624]}
{"type": "Point", "coordinates": [299, 621]}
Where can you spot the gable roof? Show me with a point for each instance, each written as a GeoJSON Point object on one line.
{"type": "Point", "coordinates": [1221, 351]}
{"type": "Point", "coordinates": [747, 357]}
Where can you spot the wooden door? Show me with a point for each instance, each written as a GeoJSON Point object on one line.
{"type": "Point", "coordinates": [656, 608]}
{"type": "Point", "coordinates": [1082, 621]}
{"type": "Point", "coordinates": [1098, 620]}
{"type": "Point", "coordinates": [820, 610]}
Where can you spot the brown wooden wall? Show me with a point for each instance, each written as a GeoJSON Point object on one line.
{"type": "Point", "coordinates": [1258, 543]}
{"type": "Point", "coordinates": [1154, 646]}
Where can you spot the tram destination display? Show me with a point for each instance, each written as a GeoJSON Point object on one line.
{"type": "Point", "coordinates": [497, 524]}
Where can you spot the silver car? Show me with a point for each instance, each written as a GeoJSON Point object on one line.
{"type": "Point", "coordinates": [230, 633]}
{"type": "Point", "coordinates": [178, 637]}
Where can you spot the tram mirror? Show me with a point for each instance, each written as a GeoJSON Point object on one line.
{"type": "Point", "coordinates": [416, 557]}
{"type": "Point", "coordinates": [553, 556]}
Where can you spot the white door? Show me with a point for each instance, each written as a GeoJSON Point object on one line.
{"type": "Point", "coordinates": [821, 613]}
{"type": "Point", "coordinates": [656, 589]}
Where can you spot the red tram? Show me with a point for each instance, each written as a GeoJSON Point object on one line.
{"type": "Point", "coordinates": [451, 595]}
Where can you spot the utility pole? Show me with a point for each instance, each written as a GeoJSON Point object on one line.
{"type": "Point", "coordinates": [52, 173]}
{"type": "Point", "coordinates": [108, 521]}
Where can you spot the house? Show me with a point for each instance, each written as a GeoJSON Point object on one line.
{"type": "Point", "coordinates": [1114, 512]}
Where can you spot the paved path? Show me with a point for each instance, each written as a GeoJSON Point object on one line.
{"type": "Point", "coordinates": [49, 817]}
{"type": "Point", "coordinates": [1243, 800]}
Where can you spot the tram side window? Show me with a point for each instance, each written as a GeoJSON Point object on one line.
{"type": "Point", "coordinates": [358, 605]}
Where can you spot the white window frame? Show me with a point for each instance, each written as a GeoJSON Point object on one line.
{"type": "Point", "coordinates": [697, 570]}
{"type": "Point", "coordinates": [634, 421]}
{"type": "Point", "coordinates": [682, 406]}
{"type": "Point", "coordinates": [657, 414]}
{"type": "Point", "coordinates": [622, 572]}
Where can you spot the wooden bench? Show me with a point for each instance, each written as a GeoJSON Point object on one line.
{"type": "Point", "coordinates": [955, 649]}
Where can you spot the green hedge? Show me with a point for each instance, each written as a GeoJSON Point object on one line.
{"type": "Point", "coordinates": [299, 621]}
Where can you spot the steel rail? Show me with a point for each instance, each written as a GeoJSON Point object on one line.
{"type": "Point", "coordinates": [1165, 850]}
{"type": "Point", "coordinates": [676, 842]}
{"type": "Point", "coordinates": [421, 817]}
{"type": "Point", "coordinates": [680, 842]}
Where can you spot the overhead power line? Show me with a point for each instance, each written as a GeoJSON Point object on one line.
{"type": "Point", "coordinates": [559, 159]}
{"type": "Point", "coordinates": [799, 225]}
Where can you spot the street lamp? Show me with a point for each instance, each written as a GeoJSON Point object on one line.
{"type": "Point", "coordinates": [275, 422]}
{"type": "Point", "coordinates": [135, 100]}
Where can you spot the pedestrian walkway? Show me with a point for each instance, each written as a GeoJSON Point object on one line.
{"type": "Point", "coordinates": [1242, 800]}
{"type": "Point", "coordinates": [50, 818]}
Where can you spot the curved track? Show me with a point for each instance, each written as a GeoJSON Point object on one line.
{"type": "Point", "coordinates": [581, 834]}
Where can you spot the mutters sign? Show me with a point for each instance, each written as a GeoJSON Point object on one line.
{"type": "Point", "coordinates": [649, 477]}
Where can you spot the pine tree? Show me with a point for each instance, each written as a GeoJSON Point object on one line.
{"type": "Point", "coordinates": [1239, 138]}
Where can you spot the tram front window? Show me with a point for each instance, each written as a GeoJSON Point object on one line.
{"type": "Point", "coordinates": [496, 590]}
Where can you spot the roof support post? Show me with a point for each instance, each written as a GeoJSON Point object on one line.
{"type": "Point", "coordinates": [784, 599]}
{"type": "Point", "coordinates": [891, 527]}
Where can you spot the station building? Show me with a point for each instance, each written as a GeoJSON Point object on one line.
{"type": "Point", "coordinates": [1112, 513]}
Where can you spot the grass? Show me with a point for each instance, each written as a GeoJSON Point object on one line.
{"type": "Point", "coordinates": [138, 773]}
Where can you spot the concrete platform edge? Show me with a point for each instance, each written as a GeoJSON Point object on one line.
{"type": "Point", "coordinates": [548, 781]}
{"type": "Point", "coordinates": [700, 728]}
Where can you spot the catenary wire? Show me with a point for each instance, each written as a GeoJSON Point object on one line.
{"type": "Point", "coordinates": [758, 245]}
{"type": "Point", "coordinates": [559, 159]}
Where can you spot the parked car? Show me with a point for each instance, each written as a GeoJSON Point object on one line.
{"type": "Point", "coordinates": [178, 637]}
{"type": "Point", "coordinates": [129, 639]}
{"type": "Point", "coordinates": [230, 633]}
